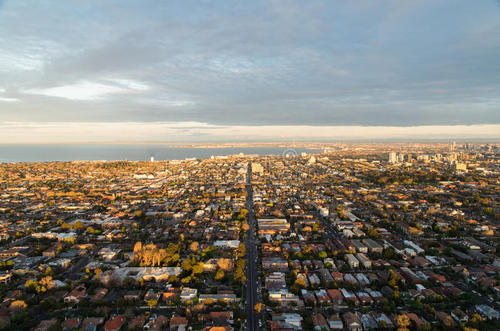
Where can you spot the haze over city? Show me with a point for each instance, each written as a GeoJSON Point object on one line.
{"type": "Point", "coordinates": [149, 71]}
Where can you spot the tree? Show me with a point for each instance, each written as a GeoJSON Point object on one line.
{"type": "Point", "coordinates": [194, 247]}
{"type": "Point", "coordinates": [242, 214]}
{"type": "Point", "coordinates": [258, 307]}
{"type": "Point", "coordinates": [241, 250]}
{"type": "Point", "coordinates": [403, 322]}
{"type": "Point", "coordinates": [34, 286]}
{"type": "Point", "coordinates": [175, 258]}
{"type": "Point", "coordinates": [47, 282]}
{"type": "Point", "coordinates": [301, 282]}
{"type": "Point", "coordinates": [224, 264]}
{"type": "Point", "coordinates": [393, 279]}
{"type": "Point", "coordinates": [173, 279]}
{"type": "Point", "coordinates": [18, 305]}
{"type": "Point", "coordinates": [389, 253]}
{"type": "Point", "coordinates": [65, 226]}
{"type": "Point", "coordinates": [187, 264]}
{"type": "Point", "coordinates": [78, 225]}
{"type": "Point", "coordinates": [198, 268]}
{"type": "Point", "coordinates": [239, 273]}
{"type": "Point", "coordinates": [137, 248]}
{"type": "Point", "coordinates": [426, 326]}
{"type": "Point", "coordinates": [152, 303]}
{"type": "Point", "coordinates": [149, 255]}
{"type": "Point", "coordinates": [476, 318]}
{"type": "Point", "coordinates": [70, 240]}
{"type": "Point", "coordinates": [219, 275]}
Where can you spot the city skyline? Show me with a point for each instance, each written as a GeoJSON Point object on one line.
{"type": "Point", "coordinates": [266, 70]}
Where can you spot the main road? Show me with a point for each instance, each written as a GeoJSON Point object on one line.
{"type": "Point", "coordinates": [254, 321]}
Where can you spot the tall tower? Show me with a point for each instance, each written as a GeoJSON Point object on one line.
{"type": "Point", "coordinates": [393, 158]}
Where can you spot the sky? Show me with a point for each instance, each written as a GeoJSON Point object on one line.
{"type": "Point", "coordinates": [100, 70]}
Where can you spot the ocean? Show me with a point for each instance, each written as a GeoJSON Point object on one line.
{"type": "Point", "coordinates": [136, 152]}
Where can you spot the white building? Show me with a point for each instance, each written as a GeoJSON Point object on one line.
{"type": "Point", "coordinates": [352, 261]}
{"type": "Point", "coordinates": [188, 294]}
{"type": "Point", "coordinates": [393, 159]}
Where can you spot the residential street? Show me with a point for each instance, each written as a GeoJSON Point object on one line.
{"type": "Point", "coordinates": [253, 320]}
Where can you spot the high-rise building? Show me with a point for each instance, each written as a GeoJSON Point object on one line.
{"type": "Point", "coordinates": [393, 158]}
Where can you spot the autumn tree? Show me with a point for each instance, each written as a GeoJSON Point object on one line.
{"type": "Point", "coordinates": [219, 275]}
{"type": "Point", "coordinates": [47, 282]}
{"type": "Point", "coordinates": [198, 268]}
{"type": "Point", "coordinates": [187, 264]}
{"type": "Point", "coordinates": [403, 322]}
{"type": "Point", "coordinates": [18, 305]}
{"type": "Point", "coordinates": [393, 279]}
{"type": "Point", "coordinates": [239, 273]}
{"type": "Point", "coordinates": [152, 303]}
{"type": "Point", "coordinates": [241, 250]}
{"type": "Point", "coordinates": [300, 281]}
{"type": "Point", "coordinates": [194, 247]}
{"type": "Point", "coordinates": [31, 284]}
{"type": "Point", "coordinates": [65, 226]}
{"type": "Point", "coordinates": [242, 214]}
{"type": "Point", "coordinates": [225, 264]}
{"type": "Point", "coordinates": [149, 255]}
{"type": "Point", "coordinates": [78, 225]}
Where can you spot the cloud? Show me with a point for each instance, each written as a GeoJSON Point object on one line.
{"type": "Point", "coordinates": [134, 132]}
{"type": "Point", "coordinates": [252, 63]}
{"type": "Point", "coordinates": [85, 90]}
{"type": "Point", "coordinates": [130, 84]}
{"type": "Point", "coordinates": [5, 99]}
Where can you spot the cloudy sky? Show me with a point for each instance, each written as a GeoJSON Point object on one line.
{"type": "Point", "coordinates": [99, 70]}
